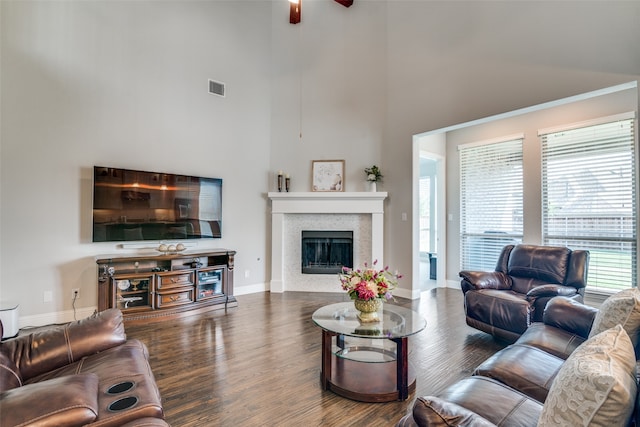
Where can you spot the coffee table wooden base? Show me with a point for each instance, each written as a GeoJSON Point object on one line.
{"type": "Point", "coordinates": [367, 382]}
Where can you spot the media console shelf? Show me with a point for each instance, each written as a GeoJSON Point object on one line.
{"type": "Point", "coordinates": [160, 286]}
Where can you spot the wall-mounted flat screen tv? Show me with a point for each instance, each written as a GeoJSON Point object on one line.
{"type": "Point", "coordinates": [131, 205]}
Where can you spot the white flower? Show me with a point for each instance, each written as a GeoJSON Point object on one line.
{"type": "Point", "coordinates": [371, 177]}
{"type": "Point", "coordinates": [372, 286]}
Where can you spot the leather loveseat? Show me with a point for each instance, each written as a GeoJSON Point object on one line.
{"type": "Point", "coordinates": [506, 301]}
{"type": "Point", "coordinates": [576, 367]}
{"type": "Point", "coordinates": [82, 373]}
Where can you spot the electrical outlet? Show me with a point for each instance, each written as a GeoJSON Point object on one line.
{"type": "Point", "coordinates": [75, 293]}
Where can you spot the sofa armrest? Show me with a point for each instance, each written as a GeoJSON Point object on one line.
{"type": "Point", "coordinates": [569, 315]}
{"type": "Point", "coordinates": [484, 280]}
{"type": "Point", "coordinates": [551, 291]}
{"type": "Point", "coordinates": [49, 349]}
{"type": "Point", "coordinates": [433, 411]}
{"type": "Point", "coordinates": [66, 401]}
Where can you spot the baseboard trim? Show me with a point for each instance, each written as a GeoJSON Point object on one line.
{"type": "Point", "coordinates": [37, 320]}
{"type": "Point", "coordinates": [55, 317]}
{"type": "Point", "coordinates": [406, 293]}
{"type": "Point", "coordinates": [453, 284]}
{"type": "Point", "coordinates": [250, 289]}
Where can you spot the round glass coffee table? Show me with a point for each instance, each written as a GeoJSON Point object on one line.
{"type": "Point", "coordinates": [368, 362]}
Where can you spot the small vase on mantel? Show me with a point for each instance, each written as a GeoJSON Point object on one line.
{"type": "Point", "coordinates": [373, 186]}
{"type": "Point", "coordinates": [368, 309]}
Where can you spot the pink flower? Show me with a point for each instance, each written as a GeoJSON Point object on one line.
{"type": "Point", "coordinates": [364, 291]}
{"type": "Point", "coordinates": [368, 283]}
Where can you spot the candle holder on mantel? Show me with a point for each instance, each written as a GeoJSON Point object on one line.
{"type": "Point", "coordinates": [287, 182]}
{"type": "Point", "coordinates": [279, 181]}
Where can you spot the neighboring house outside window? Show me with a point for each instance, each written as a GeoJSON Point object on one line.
{"type": "Point", "coordinates": [589, 197]}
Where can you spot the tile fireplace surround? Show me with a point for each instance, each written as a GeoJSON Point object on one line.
{"type": "Point", "coordinates": [360, 212]}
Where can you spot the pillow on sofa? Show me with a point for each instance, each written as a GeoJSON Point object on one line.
{"type": "Point", "coordinates": [621, 308]}
{"type": "Point", "coordinates": [596, 385]}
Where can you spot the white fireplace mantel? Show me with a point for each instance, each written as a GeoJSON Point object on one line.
{"type": "Point", "coordinates": [283, 204]}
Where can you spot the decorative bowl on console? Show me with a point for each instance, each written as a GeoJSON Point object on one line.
{"type": "Point", "coordinates": [171, 249]}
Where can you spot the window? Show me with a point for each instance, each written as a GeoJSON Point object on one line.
{"type": "Point", "coordinates": [491, 201]}
{"type": "Point", "coordinates": [589, 197]}
{"type": "Point", "coordinates": [425, 214]}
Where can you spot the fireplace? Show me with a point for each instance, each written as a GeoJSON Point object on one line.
{"type": "Point", "coordinates": [294, 212]}
{"type": "Point", "coordinates": [326, 252]}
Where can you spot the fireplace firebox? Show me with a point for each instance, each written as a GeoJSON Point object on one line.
{"type": "Point", "coordinates": [326, 252]}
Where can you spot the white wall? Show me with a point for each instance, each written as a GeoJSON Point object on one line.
{"type": "Point", "coordinates": [124, 84]}
{"type": "Point", "coordinates": [329, 89]}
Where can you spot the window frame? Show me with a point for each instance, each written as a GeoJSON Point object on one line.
{"type": "Point", "coordinates": [611, 238]}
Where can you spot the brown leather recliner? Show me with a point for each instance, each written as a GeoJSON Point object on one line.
{"type": "Point", "coordinates": [504, 302]}
{"type": "Point", "coordinates": [82, 373]}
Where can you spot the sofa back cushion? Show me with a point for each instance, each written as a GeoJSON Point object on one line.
{"type": "Point", "coordinates": [546, 264]}
{"type": "Point", "coordinates": [49, 349]}
{"type": "Point", "coordinates": [596, 385]}
{"type": "Point", "coordinates": [523, 285]}
{"type": "Point", "coordinates": [622, 308]}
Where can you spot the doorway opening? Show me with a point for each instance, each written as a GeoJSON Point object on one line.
{"type": "Point", "coordinates": [427, 217]}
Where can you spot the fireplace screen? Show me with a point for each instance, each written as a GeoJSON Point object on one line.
{"type": "Point", "coordinates": [326, 252]}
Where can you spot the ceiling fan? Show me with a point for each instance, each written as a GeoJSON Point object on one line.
{"type": "Point", "coordinates": [295, 9]}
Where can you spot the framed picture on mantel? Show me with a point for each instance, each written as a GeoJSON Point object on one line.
{"type": "Point", "coordinates": [327, 175]}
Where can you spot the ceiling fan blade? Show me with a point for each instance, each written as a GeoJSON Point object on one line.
{"type": "Point", "coordinates": [295, 13]}
{"type": "Point", "coordinates": [295, 9]}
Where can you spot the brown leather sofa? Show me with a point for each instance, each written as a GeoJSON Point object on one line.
{"type": "Point", "coordinates": [506, 301]}
{"type": "Point", "coordinates": [512, 387]}
{"type": "Point", "coordinates": [83, 373]}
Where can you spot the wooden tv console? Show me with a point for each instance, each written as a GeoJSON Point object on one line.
{"type": "Point", "coordinates": [166, 285]}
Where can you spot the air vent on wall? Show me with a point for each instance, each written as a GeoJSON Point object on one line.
{"type": "Point", "coordinates": [216, 88]}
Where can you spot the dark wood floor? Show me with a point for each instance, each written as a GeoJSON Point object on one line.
{"type": "Point", "coordinates": [259, 364]}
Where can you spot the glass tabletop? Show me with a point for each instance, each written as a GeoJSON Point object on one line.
{"type": "Point", "coordinates": [395, 321]}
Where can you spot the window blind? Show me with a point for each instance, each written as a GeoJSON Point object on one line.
{"type": "Point", "coordinates": [589, 198]}
{"type": "Point", "coordinates": [491, 206]}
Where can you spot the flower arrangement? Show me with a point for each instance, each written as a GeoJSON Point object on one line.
{"type": "Point", "coordinates": [373, 174]}
{"type": "Point", "coordinates": [369, 283]}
